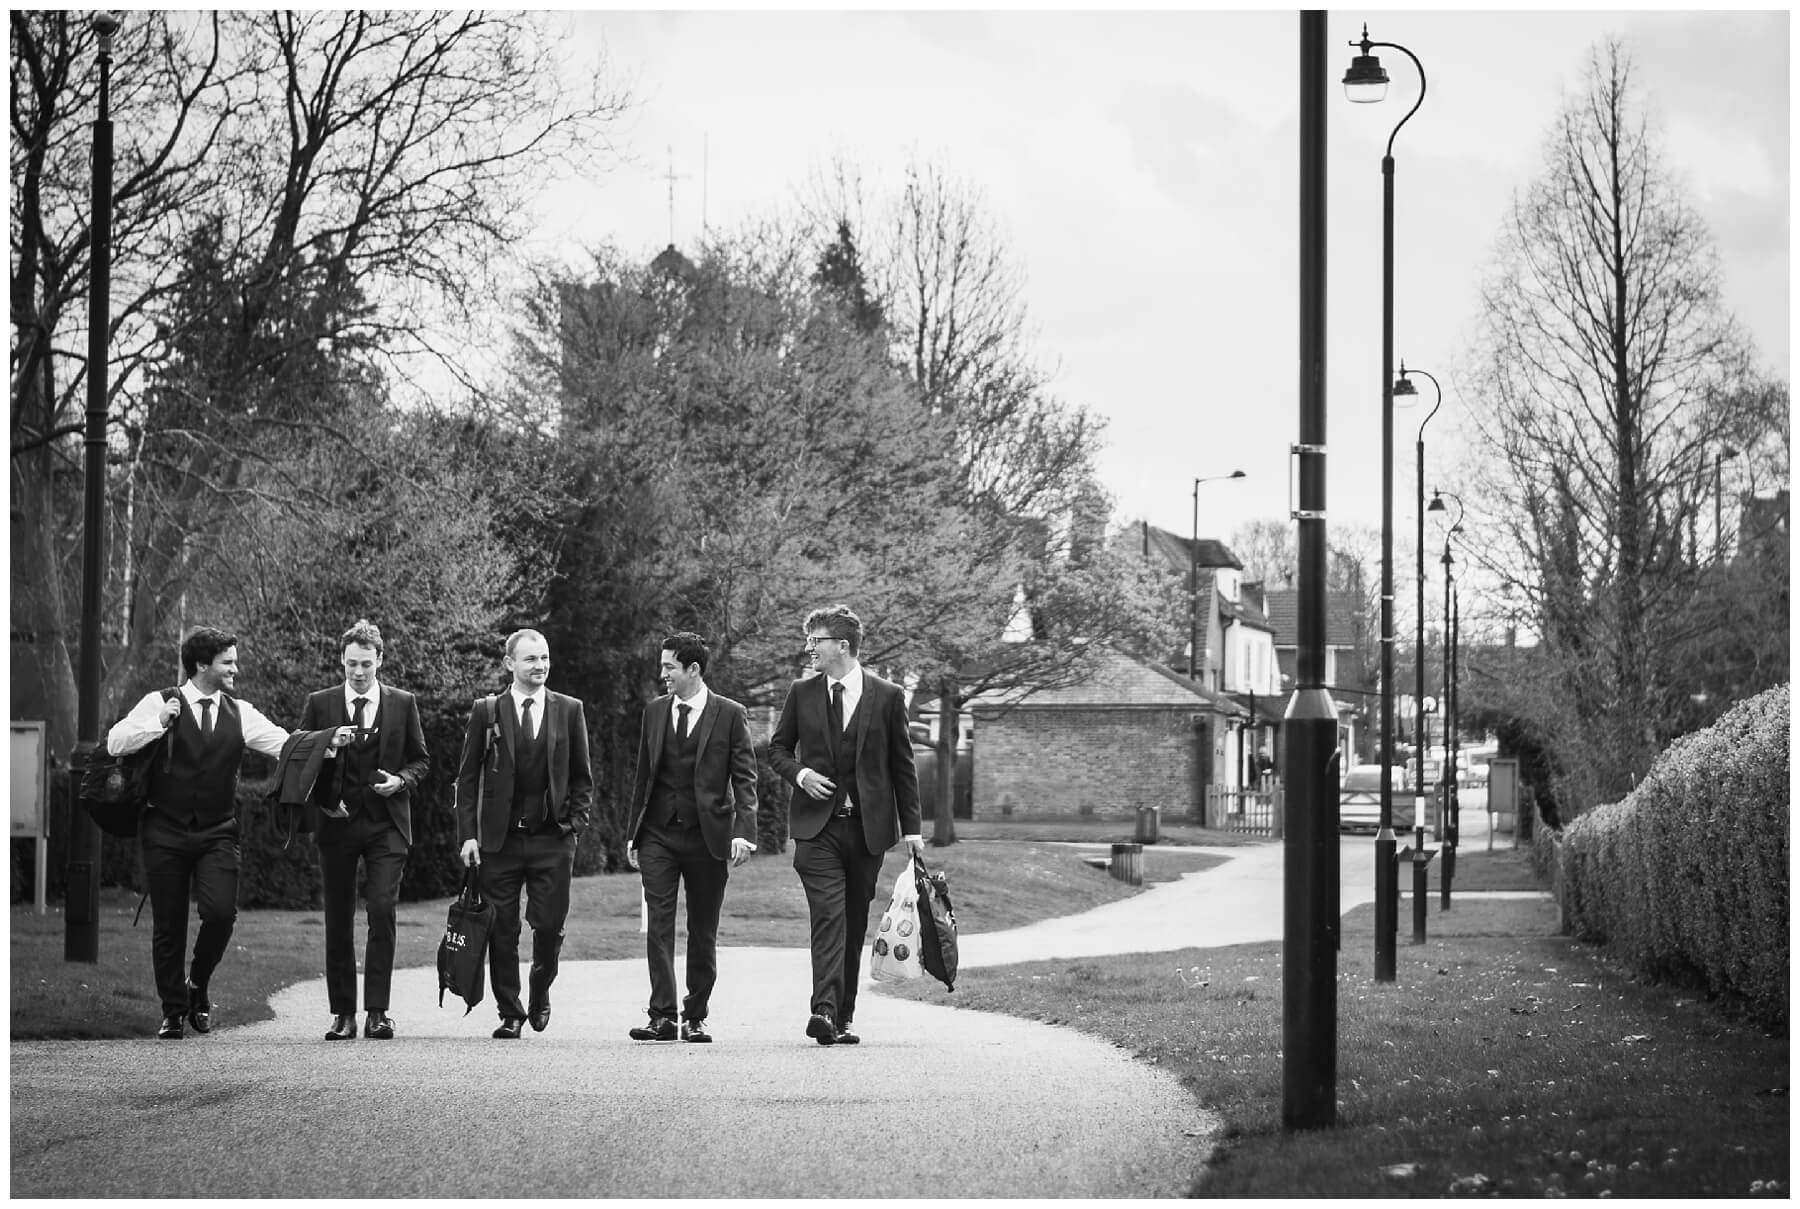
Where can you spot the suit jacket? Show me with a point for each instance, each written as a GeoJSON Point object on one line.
{"type": "Point", "coordinates": [400, 749]}
{"type": "Point", "coordinates": [887, 785]}
{"type": "Point", "coordinates": [724, 770]}
{"type": "Point", "coordinates": [487, 767]}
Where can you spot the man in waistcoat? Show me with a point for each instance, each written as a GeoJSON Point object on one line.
{"type": "Point", "coordinates": [523, 793]}
{"type": "Point", "coordinates": [364, 815]}
{"type": "Point", "coordinates": [189, 834]}
{"type": "Point", "coordinates": [693, 818]}
{"type": "Point", "coordinates": [842, 741]}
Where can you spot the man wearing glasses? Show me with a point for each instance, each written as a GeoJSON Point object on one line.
{"type": "Point", "coordinates": [842, 742]}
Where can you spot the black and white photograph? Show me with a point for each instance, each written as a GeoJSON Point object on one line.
{"type": "Point", "coordinates": [845, 603]}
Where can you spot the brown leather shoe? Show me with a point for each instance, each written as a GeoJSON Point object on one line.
{"type": "Point", "coordinates": [511, 1029]}
{"type": "Point", "coordinates": [695, 1031]}
{"type": "Point", "coordinates": [844, 1036]}
{"type": "Point", "coordinates": [380, 1026]}
{"type": "Point", "coordinates": [820, 1029]}
{"type": "Point", "coordinates": [170, 1028]}
{"type": "Point", "coordinates": [343, 1028]}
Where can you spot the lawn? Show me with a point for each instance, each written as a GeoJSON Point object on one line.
{"type": "Point", "coordinates": [996, 885]}
{"type": "Point", "coordinates": [1504, 1059]}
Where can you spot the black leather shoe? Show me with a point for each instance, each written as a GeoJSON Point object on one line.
{"type": "Point", "coordinates": [199, 1011]}
{"type": "Point", "coordinates": [660, 1028]}
{"type": "Point", "coordinates": [170, 1028]}
{"type": "Point", "coordinates": [695, 1031]}
{"type": "Point", "coordinates": [343, 1028]}
{"type": "Point", "coordinates": [380, 1026]}
{"type": "Point", "coordinates": [844, 1036]}
{"type": "Point", "coordinates": [540, 1018]}
{"type": "Point", "coordinates": [511, 1028]}
{"type": "Point", "coordinates": [820, 1029]}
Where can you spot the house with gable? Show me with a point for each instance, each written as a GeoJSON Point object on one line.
{"type": "Point", "coordinates": [1343, 664]}
{"type": "Point", "coordinates": [1135, 733]}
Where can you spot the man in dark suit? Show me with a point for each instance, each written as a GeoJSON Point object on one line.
{"type": "Point", "coordinates": [842, 741]}
{"type": "Point", "coordinates": [523, 793]}
{"type": "Point", "coordinates": [693, 817]}
{"type": "Point", "coordinates": [189, 834]}
{"type": "Point", "coordinates": [364, 813]}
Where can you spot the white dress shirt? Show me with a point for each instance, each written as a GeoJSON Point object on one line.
{"type": "Point", "coordinates": [853, 684]}
{"type": "Point", "coordinates": [143, 724]}
{"type": "Point", "coordinates": [696, 704]}
{"type": "Point", "coordinates": [539, 700]}
{"type": "Point", "coordinates": [373, 697]}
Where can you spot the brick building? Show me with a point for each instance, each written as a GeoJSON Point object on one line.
{"type": "Point", "coordinates": [1135, 733]}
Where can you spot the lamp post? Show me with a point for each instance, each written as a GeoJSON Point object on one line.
{"type": "Point", "coordinates": [1451, 804]}
{"type": "Point", "coordinates": [81, 934]}
{"type": "Point", "coordinates": [1404, 389]}
{"type": "Point", "coordinates": [1364, 82]}
{"type": "Point", "coordinates": [1194, 576]}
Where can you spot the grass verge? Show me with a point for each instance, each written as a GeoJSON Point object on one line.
{"type": "Point", "coordinates": [995, 886]}
{"type": "Point", "coordinates": [1504, 1059]}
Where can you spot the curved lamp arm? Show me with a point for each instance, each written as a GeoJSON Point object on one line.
{"type": "Point", "coordinates": [1439, 402]}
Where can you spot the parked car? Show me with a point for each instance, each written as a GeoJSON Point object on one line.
{"type": "Point", "coordinates": [1359, 799]}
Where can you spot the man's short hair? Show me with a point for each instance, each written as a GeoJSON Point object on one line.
{"type": "Point", "coordinates": [837, 622]}
{"type": "Point", "coordinates": [689, 647]}
{"type": "Point", "coordinates": [202, 645]}
{"type": "Point", "coordinates": [363, 633]}
{"type": "Point", "coordinates": [517, 636]}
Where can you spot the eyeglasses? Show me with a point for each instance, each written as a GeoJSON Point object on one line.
{"type": "Point", "coordinates": [812, 643]}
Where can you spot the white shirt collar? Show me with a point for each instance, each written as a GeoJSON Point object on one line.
{"type": "Point", "coordinates": [520, 697]}
{"type": "Point", "coordinates": [697, 703]}
{"type": "Point", "coordinates": [851, 679]}
{"type": "Point", "coordinates": [194, 696]}
{"type": "Point", "coordinates": [373, 695]}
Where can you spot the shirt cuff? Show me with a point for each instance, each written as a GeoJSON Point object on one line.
{"type": "Point", "coordinates": [910, 838]}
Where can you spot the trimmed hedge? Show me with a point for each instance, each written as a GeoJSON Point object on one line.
{"type": "Point", "coordinates": [1687, 878]}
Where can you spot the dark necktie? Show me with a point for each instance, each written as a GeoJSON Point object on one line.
{"type": "Point", "coordinates": [206, 720]}
{"type": "Point", "coordinates": [681, 721]}
{"type": "Point", "coordinates": [525, 719]}
{"type": "Point", "coordinates": [359, 721]}
{"type": "Point", "coordinates": [837, 711]}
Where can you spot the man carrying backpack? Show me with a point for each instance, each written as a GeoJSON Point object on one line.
{"type": "Point", "coordinates": [189, 832]}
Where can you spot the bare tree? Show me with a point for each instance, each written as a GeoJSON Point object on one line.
{"type": "Point", "coordinates": [322, 184]}
{"type": "Point", "coordinates": [1613, 374]}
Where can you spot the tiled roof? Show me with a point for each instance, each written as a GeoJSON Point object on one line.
{"type": "Point", "coordinates": [1284, 617]}
{"type": "Point", "coordinates": [1244, 612]}
{"type": "Point", "coordinates": [1119, 679]}
{"type": "Point", "coordinates": [1175, 550]}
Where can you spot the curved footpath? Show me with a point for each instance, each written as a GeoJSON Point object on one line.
{"type": "Point", "coordinates": [934, 1102]}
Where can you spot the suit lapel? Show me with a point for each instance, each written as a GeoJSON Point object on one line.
{"type": "Point", "coordinates": [705, 724]}
{"type": "Point", "coordinates": [862, 711]}
{"type": "Point", "coordinates": [553, 725]}
{"type": "Point", "coordinates": [509, 725]}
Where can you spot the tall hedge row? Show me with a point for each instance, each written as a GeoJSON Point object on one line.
{"type": "Point", "coordinates": [1687, 878]}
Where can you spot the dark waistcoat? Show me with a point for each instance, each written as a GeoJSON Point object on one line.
{"type": "Point", "coordinates": [200, 784]}
{"type": "Point", "coordinates": [672, 796]}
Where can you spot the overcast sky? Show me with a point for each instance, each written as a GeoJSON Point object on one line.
{"type": "Point", "coordinates": [1143, 171]}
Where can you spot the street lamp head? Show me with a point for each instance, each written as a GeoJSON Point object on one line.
{"type": "Point", "coordinates": [1367, 79]}
{"type": "Point", "coordinates": [104, 24]}
{"type": "Point", "coordinates": [1405, 393]}
{"type": "Point", "coordinates": [1437, 503]}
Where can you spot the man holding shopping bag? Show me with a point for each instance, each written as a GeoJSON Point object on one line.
{"type": "Point", "coordinates": [842, 742]}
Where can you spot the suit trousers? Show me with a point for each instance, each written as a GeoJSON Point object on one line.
{"type": "Point", "coordinates": [667, 857]}
{"type": "Point", "coordinates": [839, 874]}
{"type": "Point", "coordinates": [180, 860]}
{"type": "Point", "coordinates": [372, 839]}
{"type": "Point", "coordinates": [541, 864]}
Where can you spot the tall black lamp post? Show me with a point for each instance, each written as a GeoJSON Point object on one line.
{"type": "Point", "coordinates": [1194, 577]}
{"type": "Point", "coordinates": [81, 935]}
{"type": "Point", "coordinates": [1451, 805]}
{"type": "Point", "coordinates": [1404, 389]}
{"type": "Point", "coordinates": [1367, 81]}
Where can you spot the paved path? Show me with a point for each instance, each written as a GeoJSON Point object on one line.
{"type": "Point", "coordinates": [935, 1102]}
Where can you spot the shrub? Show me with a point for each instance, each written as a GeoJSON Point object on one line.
{"type": "Point", "coordinates": [1687, 878]}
